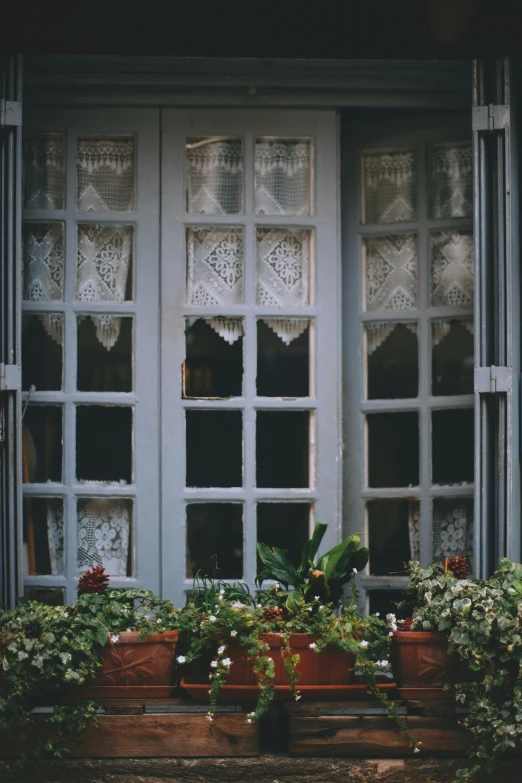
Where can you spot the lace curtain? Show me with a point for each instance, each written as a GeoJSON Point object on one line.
{"type": "Point", "coordinates": [452, 269]}
{"type": "Point", "coordinates": [44, 172]}
{"type": "Point", "coordinates": [282, 177]}
{"type": "Point", "coordinates": [103, 534]}
{"type": "Point", "coordinates": [452, 529]}
{"type": "Point", "coordinates": [43, 271]}
{"type": "Point", "coordinates": [390, 184]}
{"type": "Point", "coordinates": [451, 174]}
{"type": "Point", "coordinates": [215, 176]}
{"type": "Point", "coordinates": [55, 535]}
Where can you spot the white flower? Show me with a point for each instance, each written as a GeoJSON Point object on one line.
{"type": "Point", "coordinates": [212, 619]}
{"type": "Point", "coordinates": [258, 606]}
{"type": "Point", "coordinates": [364, 643]}
{"type": "Point", "coordinates": [354, 570]}
{"type": "Point", "coordinates": [210, 676]}
{"type": "Point", "coordinates": [226, 662]}
{"type": "Point", "coordinates": [213, 664]}
{"type": "Point", "coordinates": [391, 633]}
{"type": "Point", "coordinates": [159, 622]}
{"type": "Point", "coordinates": [382, 664]}
{"type": "Point", "coordinates": [221, 650]}
{"type": "Point", "coordinates": [321, 607]}
{"type": "Point", "coordinates": [297, 696]}
{"type": "Point", "coordinates": [238, 605]}
{"type": "Point", "coordinates": [233, 633]}
{"type": "Point", "coordinates": [377, 614]}
{"type": "Point", "coordinates": [251, 714]}
{"type": "Point", "coordinates": [128, 629]}
{"type": "Point", "coordinates": [249, 720]}
{"type": "Point", "coordinates": [316, 597]}
{"type": "Point", "coordinates": [181, 659]}
{"type": "Point", "coordinates": [222, 592]}
{"type": "Point", "coordinates": [114, 638]}
{"type": "Point", "coordinates": [308, 608]}
{"type": "Point", "coordinates": [277, 586]}
{"type": "Point", "coordinates": [313, 646]}
{"type": "Point", "coordinates": [416, 750]}
{"type": "Point", "coordinates": [209, 717]}
{"type": "Point", "coordinates": [220, 597]}
{"type": "Point", "coordinates": [391, 617]}
{"type": "Point", "coordinates": [270, 660]}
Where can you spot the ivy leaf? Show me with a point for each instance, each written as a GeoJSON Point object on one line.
{"type": "Point", "coordinates": [517, 585]}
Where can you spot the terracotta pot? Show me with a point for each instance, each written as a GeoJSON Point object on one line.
{"type": "Point", "coordinates": [420, 659]}
{"type": "Point", "coordinates": [134, 668]}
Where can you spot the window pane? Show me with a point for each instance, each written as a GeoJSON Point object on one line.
{"type": "Point", "coordinates": [285, 525]}
{"type": "Point", "coordinates": [451, 181]}
{"type": "Point", "coordinates": [393, 449]}
{"type": "Point", "coordinates": [390, 187]}
{"type": "Point", "coordinates": [215, 540]}
{"type": "Point", "coordinates": [214, 448]}
{"type": "Point", "coordinates": [214, 176]}
{"type": "Point", "coordinates": [452, 269]}
{"type": "Point", "coordinates": [43, 262]}
{"type": "Point", "coordinates": [283, 358]}
{"type": "Point", "coordinates": [452, 446]}
{"type": "Point", "coordinates": [213, 357]}
{"type": "Point", "coordinates": [104, 272]}
{"type": "Point", "coordinates": [43, 536]}
{"type": "Point", "coordinates": [42, 351]}
{"type": "Point", "coordinates": [452, 357]}
{"type": "Point", "coordinates": [282, 449]}
{"type": "Point", "coordinates": [283, 266]}
{"type": "Point", "coordinates": [103, 367]}
{"type": "Point", "coordinates": [104, 443]}
{"type": "Point", "coordinates": [282, 177]}
{"type": "Point", "coordinates": [385, 601]}
{"type": "Point", "coordinates": [391, 272]}
{"type": "Point", "coordinates": [44, 171]}
{"type": "Point", "coordinates": [453, 528]}
{"type": "Point", "coordinates": [391, 527]}
{"type": "Point", "coordinates": [53, 596]}
{"type": "Point", "coordinates": [215, 266]}
{"type": "Point", "coordinates": [104, 529]}
{"type": "Point", "coordinates": [105, 169]}
{"type": "Point", "coordinates": [42, 443]}
{"type": "Point", "coordinates": [392, 360]}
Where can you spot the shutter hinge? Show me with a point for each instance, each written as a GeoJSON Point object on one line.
{"type": "Point", "coordinates": [10, 114]}
{"type": "Point", "coordinates": [490, 118]}
{"type": "Point", "coordinates": [10, 377]}
{"type": "Point", "coordinates": [492, 380]}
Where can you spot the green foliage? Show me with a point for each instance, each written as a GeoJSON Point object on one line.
{"type": "Point", "coordinates": [483, 620]}
{"type": "Point", "coordinates": [324, 577]}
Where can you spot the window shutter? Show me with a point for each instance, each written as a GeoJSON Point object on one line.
{"type": "Point", "coordinates": [497, 493]}
{"type": "Point", "coordinates": [10, 327]}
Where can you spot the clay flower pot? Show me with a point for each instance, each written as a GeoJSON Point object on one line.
{"type": "Point", "coordinates": [134, 668]}
{"type": "Point", "coordinates": [420, 659]}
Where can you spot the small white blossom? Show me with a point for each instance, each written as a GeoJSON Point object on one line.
{"type": "Point", "coordinates": [233, 633]}
{"type": "Point", "coordinates": [316, 597]}
{"type": "Point", "coordinates": [181, 659]}
{"type": "Point", "coordinates": [221, 650]}
{"type": "Point", "coordinates": [159, 622]}
{"type": "Point", "coordinates": [128, 629]}
{"type": "Point", "coordinates": [416, 750]}
{"type": "Point", "coordinates": [249, 720]}
{"type": "Point", "coordinates": [308, 608]}
{"type": "Point", "coordinates": [209, 717]}
{"type": "Point", "coordinates": [212, 619]}
{"type": "Point", "coordinates": [114, 638]}
{"type": "Point", "coordinates": [297, 696]}
{"type": "Point", "coordinates": [238, 605]}
{"type": "Point", "coordinates": [258, 606]}
{"type": "Point", "coordinates": [222, 592]}
{"type": "Point", "coordinates": [210, 676]}
{"type": "Point", "coordinates": [354, 570]}
{"type": "Point", "coordinates": [226, 662]}
{"type": "Point", "coordinates": [391, 633]}
{"type": "Point", "coordinates": [321, 607]}
{"type": "Point", "coordinates": [251, 714]}
{"type": "Point", "coordinates": [364, 643]}
{"type": "Point", "coordinates": [270, 660]}
{"type": "Point", "coordinates": [213, 664]}
{"type": "Point", "coordinates": [277, 586]}
{"type": "Point", "coordinates": [313, 646]}
{"type": "Point", "coordinates": [377, 614]}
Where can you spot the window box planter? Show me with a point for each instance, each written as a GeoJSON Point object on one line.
{"type": "Point", "coordinates": [420, 661]}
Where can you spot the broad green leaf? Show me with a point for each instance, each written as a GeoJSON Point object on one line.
{"type": "Point", "coordinates": [337, 555]}
{"type": "Point", "coordinates": [310, 548]}
{"type": "Point", "coordinates": [278, 565]}
{"type": "Point", "coordinates": [517, 585]}
{"type": "Point", "coordinates": [294, 601]}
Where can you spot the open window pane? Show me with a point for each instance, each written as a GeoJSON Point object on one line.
{"type": "Point", "coordinates": [42, 450]}
{"type": "Point", "coordinates": [283, 177]}
{"type": "Point", "coordinates": [285, 525]}
{"type": "Point", "coordinates": [283, 358]}
{"type": "Point", "coordinates": [43, 535]}
{"type": "Point", "coordinates": [384, 602]}
{"type": "Point", "coordinates": [392, 360]}
{"type": "Point", "coordinates": [390, 187]}
{"type": "Point", "coordinates": [215, 540]}
{"type": "Point", "coordinates": [104, 443]}
{"type": "Point", "coordinates": [213, 357]}
{"type": "Point", "coordinates": [104, 367]}
{"type": "Point", "coordinates": [390, 264]}
{"type": "Point", "coordinates": [453, 528]}
{"type": "Point", "coordinates": [52, 596]}
{"type": "Point", "coordinates": [214, 176]}
{"type": "Point", "coordinates": [104, 530]}
{"type": "Point", "coordinates": [452, 446]}
{"type": "Point", "coordinates": [452, 357]}
{"type": "Point", "coordinates": [44, 171]}
{"type": "Point", "coordinates": [391, 527]}
{"type": "Point", "coordinates": [214, 448]}
{"type": "Point", "coordinates": [42, 351]}
{"type": "Point", "coordinates": [43, 255]}
{"type": "Point", "coordinates": [393, 449]}
{"type": "Point", "coordinates": [282, 449]}
{"type": "Point", "coordinates": [104, 267]}
{"type": "Point", "coordinates": [105, 172]}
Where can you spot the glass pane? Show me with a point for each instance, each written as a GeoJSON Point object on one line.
{"type": "Point", "coordinates": [283, 358]}
{"type": "Point", "coordinates": [104, 272]}
{"type": "Point", "coordinates": [103, 367]}
{"type": "Point", "coordinates": [42, 444]}
{"type": "Point", "coordinates": [43, 536]}
{"type": "Point", "coordinates": [285, 525]}
{"type": "Point", "coordinates": [390, 187]}
{"type": "Point", "coordinates": [282, 449]}
{"type": "Point", "coordinates": [104, 443]}
{"type": "Point", "coordinates": [282, 178]}
{"type": "Point", "coordinates": [452, 269]}
{"type": "Point", "coordinates": [105, 169]}
{"type": "Point", "coordinates": [53, 596]}
{"type": "Point", "coordinates": [43, 262]}
{"type": "Point", "coordinates": [453, 528]}
{"type": "Point", "coordinates": [391, 272]}
{"type": "Point", "coordinates": [104, 529]}
{"type": "Point", "coordinates": [214, 448]}
{"type": "Point", "coordinates": [214, 176]}
{"type": "Point", "coordinates": [391, 530]}
{"type": "Point", "coordinates": [215, 266]}
{"type": "Point", "coordinates": [452, 435]}
{"type": "Point", "coordinates": [392, 360]}
{"type": "Point", "coordinates": [215, 540]}
{"type": "Point", "coordinates": [42, 353]}
{"type": "Point", "coordinates": [44, 171]}
{"type": "Point", "coordinates": [452, 357]}
{"type": "Point", "coordinates": [283, 266]}
{"type": "Point", "coordinates": [393, 449]}
{"type": "Point", "coordinates": [213, 358]}
{"type": "Point", "coordinates": [385, 601]}
{"type": "Point", "coordinates": [451, 181]}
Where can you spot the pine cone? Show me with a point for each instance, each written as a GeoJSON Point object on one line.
{"type": "Point", "coordinates": [95, 580]}
{"type": "Point", "coordinates": [458, 566]}
{"type": "Point", "coordinates": [273, 613]}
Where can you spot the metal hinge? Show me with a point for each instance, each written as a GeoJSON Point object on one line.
{"type": "Point", "coordinates": [10, 114]}
{"type": "Point", "coordinates": [491, 380]}
{"type": "Point", "coordinates": [490, 118]}
{"type": "Point", "coordinates": [10, 377]}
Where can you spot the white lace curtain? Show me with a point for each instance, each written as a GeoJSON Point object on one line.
{"type": "Point", "coordinates": [105, 169]}
{"type": "Point", "coordinates": [214, 176]}
{"type": "Point", "coordinates": [390, 186]}
{"type": "Point", "coordinates": [452, 529]}
{"type": "Point", "coordinates": [282, 177]}
{"type": "Point", "coordinates": [452, 181]}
